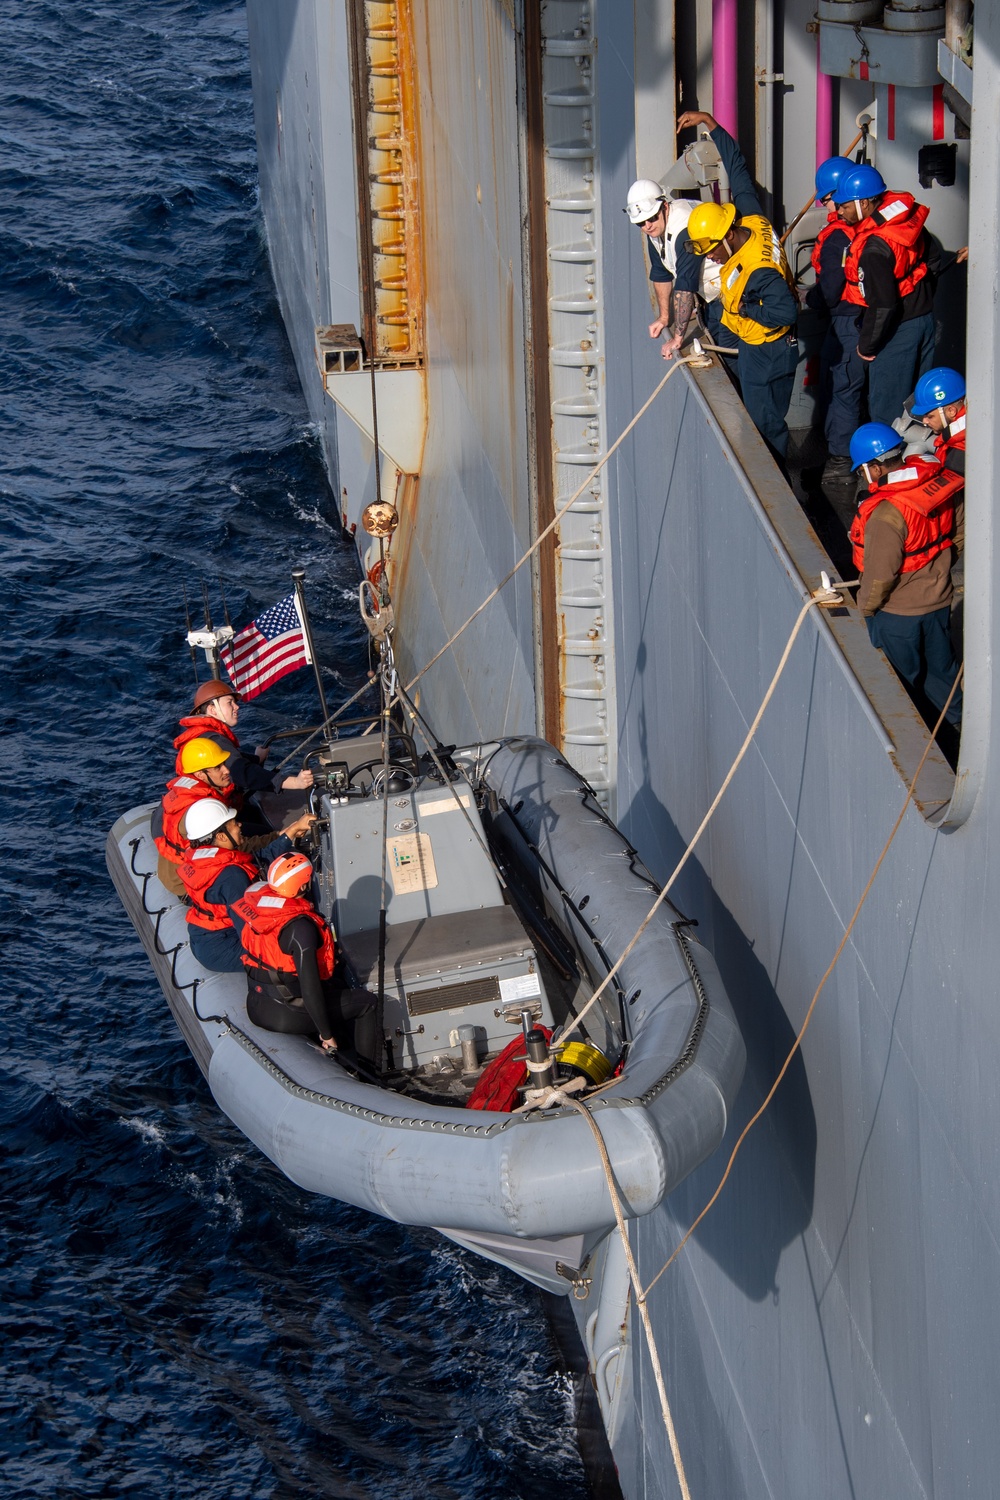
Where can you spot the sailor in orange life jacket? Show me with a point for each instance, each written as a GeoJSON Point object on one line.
{"type": "Point", "coordinates": [203, 773]}
{"type": "Point", "coordinates": [888, 276]}
{"type": "Point", "coordinates": [939, 402]}
{"type": "Point", "coordinates": [215, 712]}
{"type": "Point", "coordinates": [289, 954]}
{"type": "Point", "coordinates": [842, 368]}
{"type": "Point", "coordinates": [216, 873]}
{"type": "Point", "coordinates": [902, 537]}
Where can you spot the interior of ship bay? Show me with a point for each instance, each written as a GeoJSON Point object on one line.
{"type": "Point", "coordinates": [442, 184]}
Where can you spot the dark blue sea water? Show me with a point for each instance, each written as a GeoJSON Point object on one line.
{"type": "Point", "coordinates": [176, 1319]}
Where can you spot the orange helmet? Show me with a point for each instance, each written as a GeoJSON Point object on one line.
{"type": "Point", "coordinates": [207, 692]}
{"type": "Point", "coordinates": [289, 874]}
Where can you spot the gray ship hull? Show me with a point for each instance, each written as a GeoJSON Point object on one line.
{"type": "Point", "coordinates": [831, 1327]}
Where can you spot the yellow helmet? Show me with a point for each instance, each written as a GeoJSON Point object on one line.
{"type": "Point", "coordinates": [709, 225]}
{"type": "Point", "coordinates": [202, 755]}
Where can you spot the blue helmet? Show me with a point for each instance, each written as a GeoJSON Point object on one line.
{"type": "Point", "coordinates": [873, 442]}
{"type": "Point", "coordinates": [860, 182]}
{"type": "Point", "coordinates": [939, 387]}
{"type": "Point", "coordinates": [829, 173]}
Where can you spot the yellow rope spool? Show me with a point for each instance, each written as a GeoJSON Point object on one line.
{"type": "Point", "coordinates": [581, 1057]}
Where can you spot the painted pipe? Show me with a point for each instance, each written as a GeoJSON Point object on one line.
{"type": "Point", "coordinates": [725, 89]}
{"type": "Point", "coordinates": [824, 112]}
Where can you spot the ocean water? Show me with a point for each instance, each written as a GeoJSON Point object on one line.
{"type": "Point", "coordinates": [176, 1319]}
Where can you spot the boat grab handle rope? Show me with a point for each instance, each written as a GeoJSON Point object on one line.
{"type": "Point", "coordinates": [539, 539]}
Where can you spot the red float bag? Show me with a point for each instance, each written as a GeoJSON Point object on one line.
{"type": "Point", "coordinates": [499, 1082]}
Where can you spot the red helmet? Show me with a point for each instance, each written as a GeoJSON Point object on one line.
{"type": "Point", "coordinates": [289, 874]}
{"type": "Point", "coordinates": [209, 691]}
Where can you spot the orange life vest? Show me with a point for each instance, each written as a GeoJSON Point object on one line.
{"type": "Point", "coordinates": [183, 792]}
{"type": "Point", "coordinates": [833, 221]}
{"type": "Point", "coordinates": [924, 494]}
{"type": "Point", "coordinates": [953, 438]}
{"type": "Point", "coordinates": [899, 222]}
{"type": "Point", "coordinates": [198, 727]}
{"type": "Point", "coordinates": [199, 872]}
{"type": "Point", "coordinates": [265, 915]}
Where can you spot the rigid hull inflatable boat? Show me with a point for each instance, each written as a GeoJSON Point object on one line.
{"type": "Point", "coordinates": [510, 896]}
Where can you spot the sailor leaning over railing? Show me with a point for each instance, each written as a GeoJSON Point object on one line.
{"type": "Point", "coordinates": [758, 299]}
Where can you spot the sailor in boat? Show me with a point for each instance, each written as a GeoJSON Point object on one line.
{"type": "Point", "coordinates": [290, 958]}
{"type": "Point", "coordinates": [203, 772]}
{"type": "Point", "coordinates": [890, 279]}
{"type": "Point", "coordinates": [218, 868]}
{"type": "Point", "coordinates": [903, 537]}
{"type": "Point", "coordinates": [843, 368]}
{"type": "Point", "coordinates": [759, 304]}
{"type": "Point", "coordinates": [214, 716]}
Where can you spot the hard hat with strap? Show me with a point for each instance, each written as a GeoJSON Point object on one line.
{"type": "Point", "coordinates": [644, 201]}
{"type": "Point", "coordinates": [873, 442]}
{"type": "Point", "coordinates": [206, 817]}
{"type": "Point", "coordinates": [202, 755]}
{"type": "Point", "coordinates": [829, 173]}
{"type": "Point", "coordinates": [861, 182]}
{"type": "Point", "coordinates": [207, 692]}
{"type": "Point", "coordinates": [941, 386]}
{"type": "Point", "coordinates": [709, 225]}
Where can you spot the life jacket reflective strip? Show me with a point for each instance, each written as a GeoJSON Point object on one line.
{"type": "Point", "coordinates": [265, 915]}
{"type": "Point", "coordinates": [199, 872]}
{"type": "Point", "coordinates": [953, 438]}
{"type": "Point", "coordinates": [924, 494]}
{"type": "Point", "coordinates": [833, 222]}
{"type": "Point", "coordinates": [899, 222]}
{"type": "Point", "coordinates": [183, 792]}
{"type": "Point", "coordinates": [202, 726]}
{"type": "Point", "coordinates": [761, 252]}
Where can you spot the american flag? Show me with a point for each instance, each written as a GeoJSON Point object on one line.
{"type": "Point", "coordinates": [266, 649]}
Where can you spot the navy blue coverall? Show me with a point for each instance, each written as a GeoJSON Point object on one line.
{"type": "Point", "coordinates": [688, 279]}
{"type": "Point", "coordinates": [842, 366]}
{"type": "Point", "coordinates": [766, 371]}
{"type": "Point", "coordinates": [898, 331]}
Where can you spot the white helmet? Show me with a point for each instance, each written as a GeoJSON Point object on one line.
{"type": "Point", "coordinates": [644, 199]}
{"type": "Point", "coordinates": [205, 818]}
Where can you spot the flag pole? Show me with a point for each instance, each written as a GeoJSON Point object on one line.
{"type": "Point", "coordinates": [298, 578]}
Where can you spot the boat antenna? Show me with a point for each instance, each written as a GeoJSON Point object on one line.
{"type": "Point", "coordinates": [225, 606]}
{"type": "Point", "coordinates": [187, 616]}
{"type": "Point", "coordinates": [298, 579]}
{"type": "Point", "coordinates": [211, 651]}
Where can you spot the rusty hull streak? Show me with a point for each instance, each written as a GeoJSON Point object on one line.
{"type": "Point", "coordinates": [901, 722]}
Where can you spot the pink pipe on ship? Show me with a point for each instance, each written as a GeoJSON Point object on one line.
{"type": "Point", "coordinates": [724, 71]}
{"type": "Point", "coordinates": [824, 113]}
